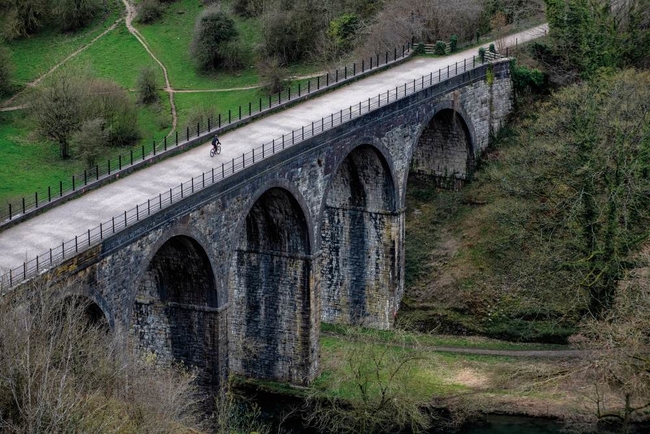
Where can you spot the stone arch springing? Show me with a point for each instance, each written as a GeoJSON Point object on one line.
{"type": "Point", "coordinates": [444, 151]}
{"type": "Point", "coordinates": [93, 314]}
{"type": "Point", "coordinates": [273, 329]}
{"type": "Point", "coordinates": [359, 239]}
{"type": "Point", "coordinates": [175, 314]}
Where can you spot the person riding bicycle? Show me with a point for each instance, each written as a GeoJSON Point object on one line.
{"type": "Point", "coordinates": [215, 142]}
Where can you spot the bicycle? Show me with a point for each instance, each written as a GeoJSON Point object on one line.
{"type": "Point", "coordinates": [216, 149]}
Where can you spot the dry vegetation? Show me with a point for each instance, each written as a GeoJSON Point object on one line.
{"type": "Point", "coordinates": [62, 370]}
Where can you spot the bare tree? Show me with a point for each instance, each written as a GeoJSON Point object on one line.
{"type": "Point", "coordinates": [61, 370]}
{"type": "Point", "coordinates": [57, 109]}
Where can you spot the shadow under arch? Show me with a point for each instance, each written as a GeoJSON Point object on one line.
{"type": "Point", "coordinates": [272, 295]}
{"type": "Point", "coordinates": [359, 240]}
{"type": "Point", "coordinates": [444, 152]}
{"type": "Point", "coordinates": [175, 313]}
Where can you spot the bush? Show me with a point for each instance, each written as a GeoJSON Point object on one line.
{"type": "Point", "coordinates": [149, 11]}
{"type": "Point", "coordinates": [146, 86]}
{"type": "Point", "coordinates": [90, 141]}
{"type": "Point", "coordinates": [234, 55]}
{"type": "Point", "coordinates": [273, 75]}
{"type": "Point", "coordinates": [441, 48]}
{"type": "Point", "coordinates": [453, 43]}
{"type": "Point", "coordinates": [247, 8]}
{"type": "Point", "coordinates": [289, 35]}
{"type": "Point", "coordinates": [75, 14]}
{"type": "Point", "coordinates": [492, 48]}
{"type": "Point", "coordinates": [213, 29]}
{"type": "Point", "coordinates": [342, 31]}
{"type": "Point", "coordinates": [481, 54]}
{"type": "Point", "coordinates": [5, 71]}
{"type": "Point", "coordinates": [525, 79]}
{"type": "Point", "coordinates": [108, 101]}
{"type": "Point", "coordinates": [419, 49]}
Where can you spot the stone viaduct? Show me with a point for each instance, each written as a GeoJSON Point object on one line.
{"type": "Point", "coordinates": [238, 277]}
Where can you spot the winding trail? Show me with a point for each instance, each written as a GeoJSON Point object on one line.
{"type": "Point", "coordinates": [130, 15]}
{"type": "Point", "coordinates": [6, 105]}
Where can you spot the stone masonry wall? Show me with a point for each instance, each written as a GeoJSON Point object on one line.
{"type": "Point", "coordinates": [269, 292]}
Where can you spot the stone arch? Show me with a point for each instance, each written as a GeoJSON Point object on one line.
{"type": "Point", "coordinates": [92, 311]}
{"type": "Point", "coordinates": [444, 150]}
{"type": "Point", "coordinates": [175, 313]}
{"type": "Point", "coordinates": [359, 240]}
{"type": "Point", "coordinates": [271, 312]}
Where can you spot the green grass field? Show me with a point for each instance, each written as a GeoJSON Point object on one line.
{"type": "Point", "coordinates": [35, 55]}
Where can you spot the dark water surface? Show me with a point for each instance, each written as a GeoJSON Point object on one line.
{"type": "Point", "coordinates": [515, 425]}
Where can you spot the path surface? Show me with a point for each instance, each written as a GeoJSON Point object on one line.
{"type": "Point", "coordinates": [40, 233]}
{"type": "Point", "coordinates": [130, 16]}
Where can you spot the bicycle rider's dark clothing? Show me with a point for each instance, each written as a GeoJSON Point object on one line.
{"type": "Point", "coordinates": [215, 140]}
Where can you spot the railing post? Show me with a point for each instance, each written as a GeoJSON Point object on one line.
{"type": "Point", "coordinates": [240, 112]}
{"type": "Point", "coordinates": [119, 161]}
{"type": "Point", "coordinates": [198, 129]}
{"type": "Point", "coordinates": [85, 177]}
{"type": "Point", "coordinates": [229, 116]}
{"type": "Point", "coordinates": [60, 188]}
{"type": "Point", "coordinates": [354, 69]}
{"type": "Point", "coordinates": [36, 199]}
{"type": "Point", "coordinates": [49, 194]}
{"type": "Point", "coordinates": [153, 146]}
{"type": "Point", "coordinates": [345, 72]}
{"type": "Point", "coordinates": [219, 123]}
{"type": "Point", "coordinates": [318, 82]}
{"type": "Point", "coordinates": [97, 172]}
{"type": "Point", "coordinates": [177, 137]}
{"type": "Point", "coordinates": [73, 187]}
{"type": "Point", "coordinates": [23, 205]}
{"type": "Point", "coordinates": [187, 134]}
{"type": "Point", "coordinates": [363, 65]}
{"type": "Point", "coordinates": [209, 129]}
{"type": "Point", "coordinates": [250, 108]}
{"type": "Point", "coordinates": [298, 90]}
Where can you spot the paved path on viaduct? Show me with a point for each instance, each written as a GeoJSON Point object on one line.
{"type": "Point", "coordinates": [37, 235]}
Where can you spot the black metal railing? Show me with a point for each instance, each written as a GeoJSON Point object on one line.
{"type": "Point", "coordinates": [94, 236]}
{"type": "Point", "coordinates": [77, 183]}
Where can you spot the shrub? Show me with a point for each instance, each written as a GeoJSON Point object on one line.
{"type": "Point", "coordinates": [525, 79]}
{"type": "Point", "coordinates": [289, 35]}
{"type": "Point", "coordinates": [149, 11]}
{"type": "Point", "coordinates": [419, 49]}
{"type": "Point", "coordinates": [453, 43]}
{"type": "Point", "coordinates": [441, 48]}
{"type": "Point", "coordinates": [213, 29]}
{"type": "Point", "coordinates": [234, 55]}
{"type": "Point", "coordinates": [247, 8]}
{"type": "Point", "coordinates": [492, 48]}
{"type": "Point", "coordinates": [5, 71]}
{"type": "Point", "coordinates": [21, 18]}
{"type": "Point", "coordinates": [273, 75]}
{"type": "Point", "coordinates": [90, 141]}
{"type": "Point", "coordinates": [481, 54]}
{"type": "Point", "coordinates": [75, 14]}
{"type": "Point", "coordinates": [146, 86]}
{"type": "Point", "coordinates": [342, 31]}
{"type": "Point", "coordinates": [109, 101]}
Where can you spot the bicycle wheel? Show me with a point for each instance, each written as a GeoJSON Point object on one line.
{"type": "Point", "coordinates": [218, 149]}
{"type": "Point", "coordinates": [212, 152]}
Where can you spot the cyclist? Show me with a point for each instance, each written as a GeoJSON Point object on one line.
{"type": "Point", "coordinates": [216, 146]}
{"type": "Point", "coordinates": [215, 142]}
